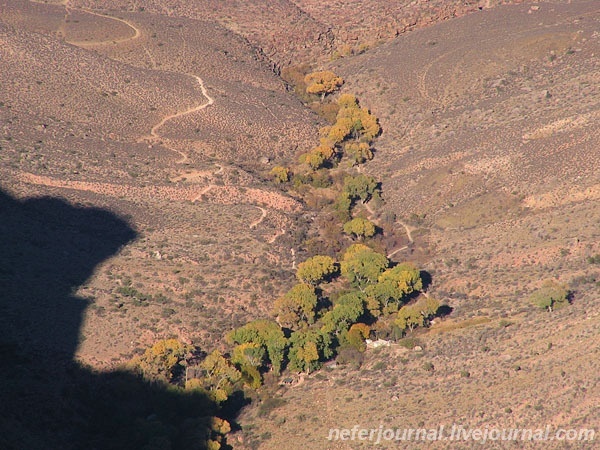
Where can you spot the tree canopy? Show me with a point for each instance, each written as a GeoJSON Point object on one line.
{"type": "Point", "coordinates": [297, 308]}
{"type": "Point", "coordinates": [550, 296]}
{"type": "Point", "coordinates": [361, 265]}
{"type": "Point", "coordinates": [266, 334]}
{"type": "Point", "coordinates": [316, 269]}
{"type": "Point", "coordinates": [359, 227]}
{"type": "Point", "coordinates": [322, 82]}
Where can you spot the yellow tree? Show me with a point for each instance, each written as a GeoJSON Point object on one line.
{"type": "Point", "coordinates": [322, 83]}
{"type": "Point", "coordinates": [280, 174]}
{"type": "Point", "coordinates": [296, 309]}
{"type": "Point", "coordinates": [163, 361]}
{"type": "Point", "coordinates": [316, 269]}
{"type": "Point", "coordinates": [359, 227]}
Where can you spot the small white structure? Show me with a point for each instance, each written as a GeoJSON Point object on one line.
{"type": "Point", "coordinates": [378, 343]}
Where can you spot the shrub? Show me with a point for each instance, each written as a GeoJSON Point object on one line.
{"type": "Point", "coordinates": [550, 296]}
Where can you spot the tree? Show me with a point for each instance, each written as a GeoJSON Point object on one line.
{"type": "Point", "coordinates": [428, 308]}
{"type": "Point", "coordinates": [361, 187]}
{"type": "Point", "coordinates": [393, 286]}
{"type": "Point", "coordinates": [297, 308]}
{"type": "Point", "coordinates": [266, 334]}
{"type": "Point", "coordinates": [281, 174]}
{"type": "Point", "coordinates": [308, 348]}
{"type": "Point", "coordinates": [322, 83]}
{"type": "Point", "coordinates": [347, 101]}
{"type": "Point", "coordinates": [355, 337]}
{"type": "Point", "coordinates": [316, 269]}
{"type": "Point", "coordinates": [405, 276]}
{"type": "Point", "coordinates": [317, 157]}
{"type": "Point", "coordinates": [346, 311]}
{"type": "Point", "coordinates": [360, 227]}
{"type": "Point", "coordinates": [249, 358]}
{"type": "Point", "coordinates": [362, 125]}
{"type": "Point", "coordinates": [550, 296]}
{"type": "Point", "coordinates": [359, 152]}
{"type": "Point", "coordinates": [342, 207]}
{"type": "Point", "coordinates": [361, 265]}
{"type": "Point", "coordinates": [418, 314]}
{"type": "Point", "coordinates": [163, 361]}
{"type": "Point", "coordinates": [409, 317]}
{"type": "Point", "coordinates": [220, 376]}
{"type": "Point", "coordinates": [340, 130]}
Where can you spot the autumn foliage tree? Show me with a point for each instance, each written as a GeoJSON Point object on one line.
{"type": "Point", "coordinates": [316, 269]}
{"type": "Point", "coordinates": [360, 228]}
{"type": "Point", "coordinates": [163, 361]}
{"type": "Point", "coordinates": [322, 83]}
{"type": "Point", "coordinates": [297, 308]}
{"type": "Point", "coordinates": [281, 174]}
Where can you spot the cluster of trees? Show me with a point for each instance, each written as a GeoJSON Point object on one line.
{"type": "Point", "coordinates": [311, 326]}
{"type": "Point", "coordinates": [351, 135]}
{"type": "Point", "coordinates": [312, 322]}
{"type": "Point", "coordinates": [166, 362]}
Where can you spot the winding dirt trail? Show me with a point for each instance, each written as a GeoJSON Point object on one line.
{"type": "Point", "coordinates": [154, 137]}
{"type": "Point", "coordinates": [262, 217]}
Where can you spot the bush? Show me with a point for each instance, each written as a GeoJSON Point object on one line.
{"type": "Point", "coordinates": [351, 356]}
{"type": "Point", "coordinates": [550, 296]}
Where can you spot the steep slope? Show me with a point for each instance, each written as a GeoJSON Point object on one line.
{"type": "Point", "coordinates": [165, 122]}
{"type": "Point", "coordinates": [490, 151]}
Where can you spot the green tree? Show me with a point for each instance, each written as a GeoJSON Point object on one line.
{"type": "Point", "coordinates": [360, 227]}
{"type": "Point", "coordinates": [361, 187]}
{"type": "Point", "coordinates": [550, 296]}
{"type": "Point", "coordinates": [265, 333]}
{"type": "Point", "coordinates": [308, 348]}
{"type": "Point", "coordinates": [346, 311]}
{"type": "Point", "coordinates": [316, 269]}
{"type": "Point", "coordinates": [361, 265]}
{"type": "Point", "coordinates": [409, 317]}
{"type": "Point", "coordinates": [392, 288]}
{"type": "Point", "coordinates": [358, 152]}
{"type": "Point", "coordinates": [249, 358]}
{"type": "Point", "coordinates": [322, 83]}
{"type": "Point", "coordinates": [297, 308]}
{"type": "Point", "coordinates": [418, 314]}
{"type": "Point", "coordinates": [342, 207]}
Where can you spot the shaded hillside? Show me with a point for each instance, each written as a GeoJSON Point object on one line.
{"type": "Point", "coordinates": [166, 122]}
{"type": "Point", "coordinates": [47, 400]}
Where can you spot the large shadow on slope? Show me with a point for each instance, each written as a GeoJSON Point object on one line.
{"type": "Point", "coordinates": [48, 401]}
